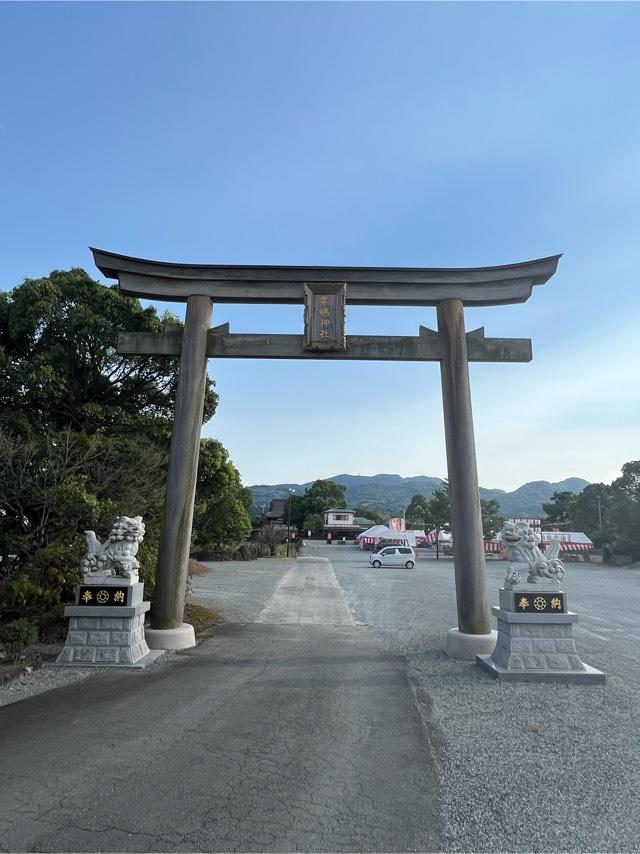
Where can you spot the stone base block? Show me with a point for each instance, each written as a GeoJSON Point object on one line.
{"type": "Point", "coordinates": [588, 675]}
{"type": "Point", "coordinates": [105, 636]}
{"type": "Point", "coordinates": [151, 656]}
{"type": "Point", "coordinates": [537, 647]}
{"type": "Point", "coordinates": [183, 637]}
{"type": "Point", "coordinates": [465, 647]}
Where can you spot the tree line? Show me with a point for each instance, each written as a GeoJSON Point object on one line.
{"type": "Point", "coordinates": [609, 514]}
{"type": "Point", "coordinates": [84, 437]}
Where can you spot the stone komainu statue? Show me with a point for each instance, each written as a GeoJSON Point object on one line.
{"type": "Point", "coordinates": [523, 553]}
{"type": "Point", "coordinates": [117, 555]}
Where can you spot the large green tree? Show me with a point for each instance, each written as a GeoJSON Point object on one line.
{"type": "Point", "coordinates": [365, 511]}
{"type": "Point", "coordinates": [435, 512]}
{"type": "Point", "coordinates": [628, 484]}
{"type": "Point", "coordinates": [59, 365]}
{"type": "Point", "coordinates": [221, 512]}
{"type": "Point", "coordinates": [492, 520]}
{"type": "Point", "coordinates": [84, 431]}
{"type": "Point", "coordinates": [56, 485]}
{"type": "Point", "coordinates": [558, 511]}
{"type": "Point", "coordinates": [623, 514]}
{"type": "Point", "coordinates": [590, 512]}
{"type": "Point", "coordinates": [438, 513]}
{"type": "Point", "coordinates": [320, 496]}
{"type": "Point", "coordinates": [324, 495]}
{"type": "Point", "coordinates": [608, 514]}
{"type": "Point", "coordinates": [417, 511]}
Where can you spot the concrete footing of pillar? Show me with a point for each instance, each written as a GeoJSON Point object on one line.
{"type": "Point", "coordinates": [465, 647]}
{"type": "Point", "coordinates": [183, 637]}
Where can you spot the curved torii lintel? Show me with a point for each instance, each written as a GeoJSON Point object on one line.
{"type": "Point", "coordinates": [233, 283]}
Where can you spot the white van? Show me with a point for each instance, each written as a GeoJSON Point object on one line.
{"type": "Point", "coordinates": [394, 556]}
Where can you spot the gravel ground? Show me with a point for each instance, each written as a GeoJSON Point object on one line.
{"type": "Point", "coordinates": [45, 679]}
{"type": "Point", "coordinates": [524, 767]}
{"type": "Point", "coordinates": [239, 589]}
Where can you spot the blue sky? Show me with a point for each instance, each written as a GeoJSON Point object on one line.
{"type": "Point", "coordinates": [430, 135]}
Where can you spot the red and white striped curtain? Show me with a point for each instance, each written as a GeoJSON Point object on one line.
{"type": "Point", "coordinates": [575, 547]}
{"type": "Point", "coordinates": [493, 546]}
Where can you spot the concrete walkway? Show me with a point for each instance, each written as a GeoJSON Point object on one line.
{"type": "Point", "coordinates": [308, 593]}
{"type": "Point", "coordinates": [295, 733]}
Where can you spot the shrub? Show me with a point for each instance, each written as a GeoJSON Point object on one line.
{"type": "Point", "coordinates": [16, 637]}
{"type": "Point", "coordinates": [148, 557]}
{"type": "Point", "coordinates": [21, 597]}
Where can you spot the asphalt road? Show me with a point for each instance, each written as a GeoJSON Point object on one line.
{"type": "Point", "coordinates": [324, 716]}
{"type": "Point", "coordinates": [296, 731]}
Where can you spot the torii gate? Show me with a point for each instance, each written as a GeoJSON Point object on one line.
{"type": "Point", "coordinates": [325, 291]}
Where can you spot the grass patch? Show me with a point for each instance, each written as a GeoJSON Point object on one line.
{"type": "Point", "coordinates": [201, 618]}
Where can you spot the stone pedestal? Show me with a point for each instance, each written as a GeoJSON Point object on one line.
{"type": "Point", "coordinates": [106, 627]}
{"type": "Point", "coordinates": [184, 637]}
{"type": "Point", "coordinates": [534, 639]}
{"type": "Point", "coordinates": [465, 647]}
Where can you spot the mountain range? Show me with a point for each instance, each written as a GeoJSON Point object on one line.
{"type": "Point", "coordinates": [391, 493]}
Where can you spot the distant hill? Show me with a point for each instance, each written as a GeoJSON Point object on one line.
{"type": "Point", "coordinates": [390, 493]}
{"type": "Point", "coordinates": [527, 500]}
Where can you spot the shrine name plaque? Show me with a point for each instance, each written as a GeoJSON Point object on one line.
{"type": "Point", "coordinates": [324, 309]}
{"type": "Point", "coordinates": [102, 596]}
{"type": "Point", "coordinates": [538, 603]}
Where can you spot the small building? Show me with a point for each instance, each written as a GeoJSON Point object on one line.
{"type": "Point", "coordinates": [339, 518]}
{"type": "Point", "coordinates": [276, 515]}
{"type": "Point", "coordinates": [339, 523]}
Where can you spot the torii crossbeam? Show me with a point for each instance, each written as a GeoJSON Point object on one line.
{"type": "Point", "coordinates": [325, 291]}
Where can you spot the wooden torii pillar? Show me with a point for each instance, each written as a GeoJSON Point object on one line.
{"type": "Point", "coordinates": [324, 291]}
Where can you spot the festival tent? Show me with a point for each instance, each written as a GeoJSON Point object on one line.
{"type": "Point", "coordinates": [441, 536]}
{"type": "Point", "coordinates": [417, 538]}
{"type": "Point", "coordinates": [372, 536]}
{"type": "Point", "coordinates": [382, 533]}
{"type": "Point", "coordinates": [570, 541]}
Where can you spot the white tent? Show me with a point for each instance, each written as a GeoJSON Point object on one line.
{"type": "Point", "coordinates": [381, 533]}
{"type": "Point", "coordinates": [570, 541]}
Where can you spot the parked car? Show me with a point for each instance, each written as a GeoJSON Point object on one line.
{"type": "Point", "coordinates": [384, 545]}
{"type": "Point", "coordinates": [394, 556]}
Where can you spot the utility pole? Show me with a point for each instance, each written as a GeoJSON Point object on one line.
{"type": "Point", "coordinates": [291, 491]}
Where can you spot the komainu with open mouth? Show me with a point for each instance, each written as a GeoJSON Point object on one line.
{"type": "Point", "coordinates": [523, 553]}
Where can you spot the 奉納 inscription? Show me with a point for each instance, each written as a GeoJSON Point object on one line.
{"type": "Point", "coordinates": [539, 603]}
{"type": "Point", "coordinates": [95, 595]}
